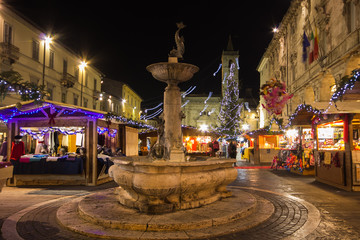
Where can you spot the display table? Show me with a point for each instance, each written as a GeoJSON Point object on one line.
{"type": "Point", "coordinates": [60, 166]}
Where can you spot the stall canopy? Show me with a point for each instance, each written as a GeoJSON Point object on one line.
{"type": "Point", "coordinates": [303, 115]}
{"type": "Point", "coordinates": [54, 111]}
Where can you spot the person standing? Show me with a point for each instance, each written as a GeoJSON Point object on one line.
{"type": "Point", "coordinates": [215, 147]}
{"type": "Point", "coordinates": [17, 148]}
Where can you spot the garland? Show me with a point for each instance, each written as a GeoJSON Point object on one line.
{"type": "Point", "coordinates": [10, 82]}
{"type": "Point", "coordinates": [346, 83]}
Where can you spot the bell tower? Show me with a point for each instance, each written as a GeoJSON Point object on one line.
{"type": "Point", "coordinates": [228, 57]}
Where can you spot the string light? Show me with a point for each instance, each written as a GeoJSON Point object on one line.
{"type": "Point", "coordinates": [187, 92]}
{"type": "Point", "coordinates": [210, 94]}
{"type": "Point", "coordinates": [217, 70]}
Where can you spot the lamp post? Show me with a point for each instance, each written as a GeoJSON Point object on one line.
{"type": "Point", "coordinates": [82, 67]}
{"type": "Point", "coordinates": [47, 40]}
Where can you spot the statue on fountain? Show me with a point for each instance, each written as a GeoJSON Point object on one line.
{"type": "Point", "coordinates": [178, 52]}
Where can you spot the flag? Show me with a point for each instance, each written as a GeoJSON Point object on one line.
{"type": "Point", "coordinates": [306, 44]}
{"type": "Point", "coordinates": [316, 45]}
{"type": "Point", "coordinates": [311, 52]}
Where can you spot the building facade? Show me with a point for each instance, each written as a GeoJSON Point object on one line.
{"type": "Point", "coordinates": [202, 110]}
{"type": "Point", "coordinates": [24, 48]}
{"type": "Point", "coordinates": [120, 98]}
{"type": "Point", "coordinates": [316, 45]}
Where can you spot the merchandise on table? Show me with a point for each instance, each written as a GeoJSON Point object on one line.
{"type": "Point", "coordinates": [331, 136]}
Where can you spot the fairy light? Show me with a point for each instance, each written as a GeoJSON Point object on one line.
{"type": "Point", "coordinates": [187, 92]}
{"type": "Point", "coordinates": [217, 70]}
{"type": "Point", "coordinates": [156, 107]}
{"type": "Point", "coordinates": [210, 94]}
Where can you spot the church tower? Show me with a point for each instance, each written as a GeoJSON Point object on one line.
{"type": "Point", "coordinates": [228, 57]}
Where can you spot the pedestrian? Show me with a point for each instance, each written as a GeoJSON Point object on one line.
{"type": "Point", "coordinates": [215, 147]}
{"type": "Point", "coordinates": [210, 148]}
{"type": "Point", "coordinates": [232, 149]}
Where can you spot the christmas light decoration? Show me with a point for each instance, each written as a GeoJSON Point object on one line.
{"type": "Point", "coordinates": [230, 109]}
{"type": "Point", "coordinates": [217, 70]}
{"type": "Point", "coordinates": [11, 82]}
{"type": "Point", "coordinates": [237, 63]}
{"type": "Point", "coordinates": [187, 92]}
{"type": "Point", "coordinates": [210, 94]}
{"type": "Point", "coordinates": [156, 107]}
{"type": "Point", "coordinates": [185, 103]}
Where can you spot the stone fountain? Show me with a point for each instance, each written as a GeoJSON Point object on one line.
{"type": "Point", "coordinates": [171, 183]}
{"type": "Point", "coordinates": [162, 196]}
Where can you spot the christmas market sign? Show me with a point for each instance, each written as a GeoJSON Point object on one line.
{"type": "Point", "coordinates": [275, 96]}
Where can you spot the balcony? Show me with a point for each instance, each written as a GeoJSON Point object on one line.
{"type": "Point", "coordinates": [9, 52]}
{"type": "Point", "coordinates": [68, 80]}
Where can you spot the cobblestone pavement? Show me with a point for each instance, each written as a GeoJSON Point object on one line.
{"type": "Point", "coordinates": [339, 210]}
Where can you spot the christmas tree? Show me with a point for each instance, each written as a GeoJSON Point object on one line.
{"type": "Point", "coordinates": [229, 115]}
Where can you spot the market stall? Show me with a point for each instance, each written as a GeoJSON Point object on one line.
{"type": "Point", "coordinates": [54, 143]}
{"type": "Point", "coordinates": [297, 144]}
{"type": "Point", "coordinates": [195, 141]}
{"type": "Point", "coordinates": [266, 144]}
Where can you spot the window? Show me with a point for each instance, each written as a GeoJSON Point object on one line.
{"type": "Point", "coordinates": [35, 50]}
{"type": "Point", "coordinates": [65, 65]}
{"type": "Point", "coordinates": [7, 33]}
{"type": "Point", "coordinates": [76, 97]}
{"type": "Point", "coordinates": [63, 97]}
{"type": "Point", "coordinates": [51, 59]}
{"type": "Point", "coordinates": [77, 73]}
{"type": "Point", "coordinates": [85, 102]}
{"type": "Point", "coordinates": [95, 83]}
{"type": "Point", "coordinates": [50, 89]}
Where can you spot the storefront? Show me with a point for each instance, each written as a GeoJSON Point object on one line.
{"type": "Point", "coordinates": [58, 143]}
{"type": "Point", "coordinates": [196, 141]}
{"type": "Point", "coordinates": [337, 139]}
{"type": "Point", "coordinates": [297, 144]}
{"type": "Point", "coordinates": [266, 145]}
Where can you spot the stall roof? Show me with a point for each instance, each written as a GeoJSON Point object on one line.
{"type": "Point", "coordinates": [302, 115]}
{"type": "Point", "coordinates": [51, 109]}
{"type": "Point", "coordinates": [33, 109]}
{"type": "Point", "coordinates": [262, 132]}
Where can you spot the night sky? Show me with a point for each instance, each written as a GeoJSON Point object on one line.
{"type": "Point", "coordinates": [120, 38]}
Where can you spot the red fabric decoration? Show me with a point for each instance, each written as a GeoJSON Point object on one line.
{"type": "Point", "coordinates": [17, 150]}
{"type": "Point", "coordinates": [51, 118]}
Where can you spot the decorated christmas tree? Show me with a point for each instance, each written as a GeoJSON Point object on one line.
{"type": "Point", "coordinates": [229, 115]}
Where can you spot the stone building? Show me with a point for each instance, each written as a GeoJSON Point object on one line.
{"type": "Point", "coordinates": [23, 49]}
{"type": "Point", "coordinates": [120, 98]}
{"type": "Point", "coordinates": [335, 24]}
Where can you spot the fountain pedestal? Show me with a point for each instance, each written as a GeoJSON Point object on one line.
{"type": "Point", "coordinates": [173, 73]}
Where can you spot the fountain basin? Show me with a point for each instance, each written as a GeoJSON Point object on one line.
{"type": "Point", "coordinates": [163, 186]}
{"type": "Point", "coordinates": [172, 71]}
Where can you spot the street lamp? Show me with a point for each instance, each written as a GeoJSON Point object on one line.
{"type": "Point", "coordinates": [47, 40]}
{"type": "Point", "coordinates": [82, 67]}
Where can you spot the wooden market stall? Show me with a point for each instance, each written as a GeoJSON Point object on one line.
{"type": "Point", "coordinates": [266, 142]}
{"type": "Point", "coordinates": [337, 157]}
{"type": "Point", "coordinates": [297, 144]}
{"type": "Point", "coordinates": [60, 143]}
